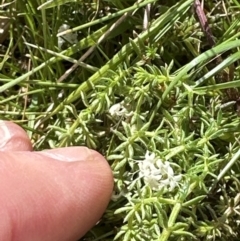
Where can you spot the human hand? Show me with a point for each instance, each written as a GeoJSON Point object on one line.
{"type": "Point", "coordinates": [52, 195]}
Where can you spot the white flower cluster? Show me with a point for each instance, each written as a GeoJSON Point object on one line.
{"type": "Point", "coordinates": [70, 37]}
{"type": "Point", "coordinates": [158, 174]}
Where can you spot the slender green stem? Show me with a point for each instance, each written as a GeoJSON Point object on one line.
{"type": "Point", "coordinates": [171, 222]}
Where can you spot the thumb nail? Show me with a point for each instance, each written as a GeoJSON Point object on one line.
{"type": "Point", "coordinates": [69, 154]}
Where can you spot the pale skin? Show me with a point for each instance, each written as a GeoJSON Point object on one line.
{"type": "Point", "coordinates": [52, 195]}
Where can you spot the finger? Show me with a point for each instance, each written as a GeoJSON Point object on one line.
{"type": "Point", "coordinates": [45, 199]}
{"type": "Point", "coordinates": [13, 137]}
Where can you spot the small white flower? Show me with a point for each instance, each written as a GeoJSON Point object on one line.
{"type": "Point", "coordinates": [171, 181]}
{"type": "Point", "coordinates": [119, 110]}
{"type": "Point", "coordinates": [168, 169]}
{"type": "Point", "coordinates": [158, 174]}
{"type": "Point", "coordinates": [70, 37]}
{"type": "Point", "coordinates": [115, 109]}
{"type": "Point", "coordinates": [150, 157]}
{"type": "Point", "coordinates": [152, 181]}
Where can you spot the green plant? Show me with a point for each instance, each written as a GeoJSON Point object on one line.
{"type": "Point", "coordinates": [135, 88]}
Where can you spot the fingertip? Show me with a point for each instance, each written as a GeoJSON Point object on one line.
{"type": "Point", "coordinates": [73, 194]}
{"type": "Point", "coordinates": [105, 169]}
{"type": "Point", "coordinates": [95, 164]}
{"type": "Point", "coordinates": [94, 181]}
{"type": "Point", "coordinates": [13, 137]}
{"type": "Point", "coordinates": [83, 154]}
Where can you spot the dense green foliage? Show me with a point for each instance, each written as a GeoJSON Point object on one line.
{"type": "Point", "coordinates": [177, 101]}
